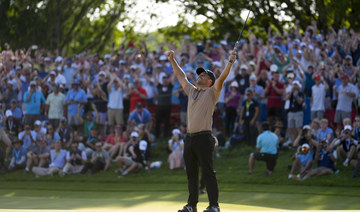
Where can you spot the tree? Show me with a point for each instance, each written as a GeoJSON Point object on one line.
{"type": "Point", "coordinates": [59, 24]}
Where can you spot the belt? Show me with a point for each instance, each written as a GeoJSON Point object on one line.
{"type": "Point", "coordinates": [198, 133]}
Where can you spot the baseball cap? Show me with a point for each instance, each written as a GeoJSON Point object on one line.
{"type": "Point", "coordinates": [345, 76]}
{"type": "Point", "coordinates": [347, 127]}
{"type": "Point", "coordinates": [290, 75]}
{"type": "Point", "coordinates": [69, 60]}
{"type": "Point", "coordinates": [107, 56]}
{"type": "Point", "coordinates": [251, 63]}
{"type": "Point", "coordinates": [76, 82]}
{"type": "Point", "coordinates": [305, 147]}
{"type": "Point", "coordinates": [348, 57]}
{"type": "Point", "coordinates": [142, 145]}
{"type": "Point", "coordinates": [102, 73]}
{"type": "Point", "coordinates": [274, 68]}
{"type": "Point", "coordinates": [52, 73]}
{"type": "Point", "coordinates": [297, 83]}
{"type": "Point", "coordinates": [223, 42]}
{"type": "Point", "coordinates": [37, 122]}
{"type": "Point", "coordinates": [243, 66]}
{"type": "Point", "coordinates": [252, 77]}
{"type": "Point", "coordinates": [139, 104]}
{"type": "Point", "coordinates": [291, 68]}
{"type": "Point", "coordinates": [163, 57]}
{"type": "Point", "coordinates": [122, 62]}
{"type": "Point", "coordinates": [134, 134]}
{"type": "Point", "coordinates": [59, 59]}
{"type": "Point", "coordinates": [234, 84]}
{"type": "Point", "coordinates": [209, 73]}
{"type": "Point", "coordinates": [296, 42]}
{"type": "Point", "coordinates": [317, 77]}
{"type": "Point", "coordinates": [176, 131]}
{"type": "Point", "coordinates": [307, 127]}
{"type": "Point", "coordinates": [8, 113]}
{"type": "Point", "coordinates": [47, 59]}
{"type": "Point", "coordinates": [32, 83]}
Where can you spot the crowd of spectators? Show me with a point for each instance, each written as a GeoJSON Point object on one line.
{"type": "Point", "coordinates": [75, 114]}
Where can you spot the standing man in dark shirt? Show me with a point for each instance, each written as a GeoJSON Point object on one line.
{"type": "Point", "coordinates": [199, 142]}
{"type": "Point", "coordinates": [243, 79]}
{"type": "Point", "coordinates": [248, 114]}
{"type": "Point", "coordinates": [295, 115]}
{"type": "Point", "coordinates": [163, 109]}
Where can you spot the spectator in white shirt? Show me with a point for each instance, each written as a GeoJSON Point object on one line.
{"type": "Point", "coordinates": [318, 97]}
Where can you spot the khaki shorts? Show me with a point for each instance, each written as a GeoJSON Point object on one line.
{"type": "Point", "coordinates": [115, 116]}
{"type": "Point", "coordinates": [128, 162]}
{"type": "Point", "coordinates": [4, 138]}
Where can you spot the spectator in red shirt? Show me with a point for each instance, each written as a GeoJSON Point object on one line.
{"type": "Point", "coordinates": [274, 91]}
{"type": "Point", "coordinates": [137, 94]}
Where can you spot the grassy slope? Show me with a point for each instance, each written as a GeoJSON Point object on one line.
{"type": "Point", "coordinates": [238, 188]}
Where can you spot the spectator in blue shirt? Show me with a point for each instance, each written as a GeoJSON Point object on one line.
{"type": "Point", "coordinates": [325, 132]}
{"type": "Point", "coordinates": [16, 111]}
{"type": "Point", "coordinates": [33, 100]}
{"type": "Point", "coordinates": [267, 145]}
{"type": "Point", "coordinates": [18, 160]}
{"type": "Point", "coordinates": [139, 116]}
{"type": "Point", "coordinates": [74, 97]}
{"type": "Point", "coordinates": [303, 160]}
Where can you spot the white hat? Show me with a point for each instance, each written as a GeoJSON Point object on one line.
{"type": "Point", "coordinates": [252, 77]}
{"type": "Point", "coordinates": [59, 59]}
{"type": "Point", "coordinates": [163, 57]}
{"type": "Point", "coordinates": [347, 127]}
{"type": "Point", "coordinates": [8, 113]}
{"type": "Point", "coordinates": [134, 134]}
{"type": "Point", "coordinates": [302, 44]}
{"type": "Point", "coordinates": [251, 63]}
{"type": "Point", "coordinates": [37, 122]}
{"type": "Point", "coordinates": [290, 75]}
{"type": "Point", "coordinates": [176, 131]}
{"type": "Point", "coordinates": [243, 66]}
{"type": "Point", "coordinates": [306, 127]}
{"type": "Point", "coordinates": [291, 68]}
{"type": "Point", "coordinates": [234, 84]}
{"type": "Point", "coordinates": [142, 145]}
{"type": "Point", "coordinates": [102, 73]}
{"type": "Point", "coordinates": [217, 63]}
{"type": "Point", "coordinates": [47, 59]}
{"type": "Point", "coordinates": [100, 63]}
{"type": "Point", "coordinates": [52, 73]}
{"type": "Point", "coordinates": [306, 146]}
{"type": "Point", "coordinates": [297, 83]}
{"type": "Point", "coordinates": [223, 42]}
{"type": "Point", "coordinates": [33, 83]}
{"type": "Point", "coordinates": [274, 68]}
{"type": "Point", "coordinates": [133, 67]}
{"type": "Point", "coordinates": [107, 56]}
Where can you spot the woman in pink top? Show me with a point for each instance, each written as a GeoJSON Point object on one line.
{"type": "Point", "coordinates": [115, 143]}
{"type": "Point", "coordinates": [232, 99]}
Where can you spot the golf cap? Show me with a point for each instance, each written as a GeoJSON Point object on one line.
{"type": "Point", "coordinates": [297, 83]}
{"type": "Point", "coordinates": [234, 84]}
{"type": "Point", "coordinates": [274, 68]}
{"type": "Point", "coordinates": [305, 147]}
{"type": "Point", "coordinates": [243, 66]}
{"type": "Point", "coordinates": [8, 113]}
{"type": "Point", "coordinates": [347, 127]}
{"type": "Point", "coordinates": [176, 131]}
{"type": "Point", "coordinates": [32, 83]}
{"type": "Point", "coordinates": [37, 122]}
{"type": "Point", "coordinates": [134, 134]}
{"type": "Point", "coordinates": [290, 75]}
{"type": "Point", "coordinates": [307, 127]}
{"type": "Point", "coordinates": [252, 77]}
{"type": "Point", "coordinates": [209, 73]}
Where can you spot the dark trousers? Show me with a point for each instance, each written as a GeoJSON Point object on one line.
{"type": "Point", "coordinates": [198, 150]}
{"type": "Point", "coordinates": [162, 115]}
{"type": "Point", "coordinates": [251, 133]}
{"type": "Point", "coordinates": [230, 119]}
{"type": "Point", "coordinates": [98, 165]}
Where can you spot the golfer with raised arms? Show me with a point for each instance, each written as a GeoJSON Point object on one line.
{"type": "Point", "coordinates": [199, 143]}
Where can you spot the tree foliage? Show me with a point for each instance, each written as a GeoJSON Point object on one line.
{"type": "Point", "coordinates": [224, 15]}
{"type": "Point", "coordinates": [58, 24]}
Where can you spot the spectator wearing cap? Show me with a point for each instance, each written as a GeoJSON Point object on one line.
{"type": "Point", "coordinates": [137, 94]}
{"type": "Point", "coordinates": [149, 86]}
{"type": "Point", "coordinates": [115, 89]}
{"type": "Point", "coordinates": [11, 125]}
{"type": "Point", "coordinates": [139, 62]}
{"type": "Point", "coordinates": [164, 105]}
{"type": "Point", "coordinates": [325, 158]}
{"type": "Point", "coordinates": [33, 100]}
{"type": "Point", "coordinates": [303, 161]}
{"type": "Point", "coordinates": [279, 57]}
{"type": "Point", "coordinates": [75, 98]}
{"type": "Point", "coordinates": [16, 111]}
{"type": "Point", "coordinates": [259, 96]}
{"type": "Point", "coordinates": [100, 160]}
{"type": "Point", "coordinates": [50, 79]}
{"type": "Point", "coordinates": [25, 83]}
{"type": "Point", "coordinates": [267, 150]}
{"type": "Point", "coordinates": [75, 160]}
{"type": "Point", "coordinates": [325, 132]}
{"type": "Point", "coordinates": [232, 100]}
{"type": "Point", "coordinates": [89, 142]}
{"type": "Point", "coordinates": [140, 115]}
{"type": "Point", "coordinates": [318, 97]}
{"type": "Point", "coordinates": [54, 106]}
{"type": "Point", "coordinates": [51, 136]}
{"type": "Point", "coordinates": [11, 91]}
{"type": "Point", "coordinates": [18, 160]}
{"type": "Point", "coordinates": [274, 91]}
{"type": "Point", "coordinates": [185, 62]}
{"type": "Point", "coordinates": [348, 67]}
{"type": "Point", "coordinates": [68, 71]}
{"type": "Point", "coordinates": [57, 162]}
{"type": "Point", "coordinates": [345, 94]}
{"type": "Point", "coordinates": [309, 82]}
{"type": "Point", "coordinates": [248, 115]}
{"type": "Point", "coordinates": [295, 116]}
{"type": "Point", "coordinates": [136, 160]}
{"type": "Point", "coordinates": [176, 149]}
{"type": "Point", "coordinates": [89, 122]}
{"type": "Point", "coordinates": [290, 79]}
{"type": "Point", "coordinates": [306, 137]}
{"type": "Point", "coordinates": [345, 146]}
{"type": "Point", "coordinates": [242, 79]}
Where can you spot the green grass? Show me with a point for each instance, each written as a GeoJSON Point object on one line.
{"type": "Point", "coordinates": [166, 190]}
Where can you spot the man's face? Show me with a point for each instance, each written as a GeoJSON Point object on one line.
{"type": "Point", "coordinates": [347, 133]}
{"type": "Point", "coordinates": [139, 110]}
{"type": "Point", "coordinates": [93, 132]}
{"type": "Point", "coordinates": [275, 76]}
{"type": "Point", "coordinates": [17, 145]}
{"type": "Point", "coordinates": [98, 147]}
{"type": "Point", "coordinates": [323, 125]}
{"type": "Point", "coordinates": [74, 147]}
{"type": "Point", "coordinates": [57, 145]}
{"type": "Point", "coordinates": [203, 79]}
{"type": "Point", "coordinates": [249, 95]}
{"type": "Point", "coordinates": [137, 84]}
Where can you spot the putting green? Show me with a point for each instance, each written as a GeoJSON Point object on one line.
{"type": "Point", "coordinates": [160, 201]}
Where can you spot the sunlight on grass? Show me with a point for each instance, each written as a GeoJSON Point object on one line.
{"type": "Point", "coordinates": [9, 194]}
